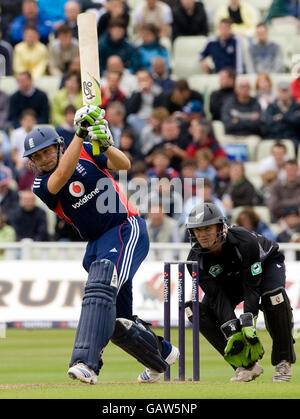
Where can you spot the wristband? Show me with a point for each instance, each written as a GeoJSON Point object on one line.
{"type": "Point", "coordinates": [247, 320]}
{"type": "Point", "coordinates": [82, 133]}
{"type": "Point", "coordinates": [230, 328]}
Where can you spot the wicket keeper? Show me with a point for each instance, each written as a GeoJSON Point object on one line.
{"type": "Point", "coordinates": [238, 265]}
{"type": "Point", "coordinates": [78, 187]}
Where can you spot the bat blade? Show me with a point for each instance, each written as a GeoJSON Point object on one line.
{"type": "Point", "coordinates": [89, 63]}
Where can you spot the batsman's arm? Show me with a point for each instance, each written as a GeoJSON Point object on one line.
{"type": "Point", "coordinates": [116, 159]}
{"type": "Point", "coordinates": [66, 166]}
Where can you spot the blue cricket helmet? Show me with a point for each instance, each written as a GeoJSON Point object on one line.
{"type": "Point", "coordinates": [40, 138]}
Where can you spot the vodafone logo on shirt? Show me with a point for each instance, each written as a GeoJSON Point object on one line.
{"type": "Point", "coordinates": [76, 189]}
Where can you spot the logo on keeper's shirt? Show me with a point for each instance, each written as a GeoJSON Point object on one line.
{"type": "Point", "coordinates": [76, 189]}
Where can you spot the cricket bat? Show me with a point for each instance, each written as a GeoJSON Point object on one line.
{"type": "Point", "coordinates": [89, 63]}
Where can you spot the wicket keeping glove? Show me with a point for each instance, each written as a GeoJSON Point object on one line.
{"type": "Point", "coordinates": [86, 116]}
{"type": "Point", "coordinates": [102, 134]}
{"type": "Point", "coordinates": [248, 324]}
{"type": "Point", "coordinates": [236, 352]}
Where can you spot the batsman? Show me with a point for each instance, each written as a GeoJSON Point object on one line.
{"type": "Point", "coordinates": [238, 265]}
{"type": "Point", "coordinates": [77, 185]}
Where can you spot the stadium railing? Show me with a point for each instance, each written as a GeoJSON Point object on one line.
{"type": "Point", "coordinates": [30, 250]}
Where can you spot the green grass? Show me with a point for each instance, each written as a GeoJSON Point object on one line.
{"type": "Point", "coordinates": [34, 364]}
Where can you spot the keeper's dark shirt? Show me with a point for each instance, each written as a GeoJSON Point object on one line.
{"type": "Point", "coordinates": [236, 273]}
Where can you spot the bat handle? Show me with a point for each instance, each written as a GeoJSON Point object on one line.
{"type": "Point", "coordinates": [96, 148]}
{"type": "Point", "coordinates": [95, 143]}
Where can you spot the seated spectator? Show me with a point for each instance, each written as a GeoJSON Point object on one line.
{"type": "Point", "coordinates": [284, 192]}
{"type": "Point", "coordinates": [283, 11]}
{"type": "Point", "coordinates": [241, 114]}
{"type": "Point", "coordinates": [188, 170]}
{"type": "Point", "coordinates": [114, 42]}
{"type": "Point", "coordinates": [161, 229]}
{"type": "Point", "coordinates": [174, 143]}
{"type": "Point", "coordinates": [62, 50]}
{"type": "Point", "coordinates": [9, 198]}
{"type": "Point", "coordinates": [151, 134]}
{"type": "Point", "coordinates": [7, 233]}
{"type": "Point", "coordinates": [29, 16]}
{"type": "Point", "coordinates": [6, 57]}
{"type": "Point", "coordinates": [128, 81]}
{"type": "Point", "coordinates": [275, 163]}
{"type": "Point", "coordinates": [5, 148]}
{"type": "Point", "coordinates": [65, 232]}
{"type": "Point", "coordinates": [168, 195]}
{"type": "Point", "coordinates": [222, 179]}
{"type": "Point", "coordinates": [27, 123]}
{"type": "Point", "coordinates": [205, 169]}
{"type": "Point", "coordinates": [204, 194]}
{"type": "Point", "coordinates": [111, 92]}
{"type": "Point", "coordinates": [217, 98]}
{"type": "Point", "coordinates": [295, 87]}
{"type": "Point", "coordinates": [10, 9]}
{"type": "Point", "coordinates": [114, 9]}
{"type": "Point", "coordinates": [116, 117]}
{"type": "Point", "coordinates": [149, 49]}
{"type": "Point", "coordinates": [138, 171]}
{"type": "Point", "coordinates": [250, 220]}
{"type": "Point", "coordinates": [129, 145]}
{"type": "Point", "coordinates": [189, 19]}
{"type": "Point", "coordinates": [68, 95]}
{"type": "Point", "coordinates": [29, 221]}
{"type": "Point", "coordinates": [30, 55]}
{"type": "Point", "coordinates": [290, 227]}
{"type": "Point", "coordinates": [160, 74]}
{"type": "Point", "coordinates": [138, 181]}
{"type": "Point", "coordinates": [264, 54]}
{"type": "Point", "coordinates": [72, 10]}
{"type": "Point", "coordinates": [67, 129]}
{"type": "Point", "coordinates": [202, 136]}
{"type": "Point", "coordinates": [240, 191]}
{"type": "Point", "coordinates": [28, 97]}
{"type": "Point", "coordinates": [243, 15]}
{"type": "Point", "coordinates": [4, 108]}
{"type": "Point", "coordinates": [161, 165]}
{"type": "Point", "coordinates": [225, 50]}
{"type": "Point", "coordinates": [74, 66]}
{"type": "Point", "coordinates": [283, 116]}
{"type": "Point", "coordinates": [181, 96]}
{"type": "Point", "coordinates": [156, 12]}
{"type": "Point", "coordinates": [264, 90]}
{"type": "Point", "coordinates": [52, 11]}
{"type": "Point", "coordinates": [140, 105]}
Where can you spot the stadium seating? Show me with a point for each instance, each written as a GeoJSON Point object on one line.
{"type": "Point", "coordinates": [261, 5]}
{"type": "Point", "coordinates": [252, 173]}
{"type": "Point", "coordinates": [286, 47]}
{"type": "Point", "coordinates": [49, 84]}
{"type": "Point", "coordinates": [205, 84]}
{"type": "Point", "coordinates": [219, 130]}
{"type": "Point", "coordinates": [186, 51]}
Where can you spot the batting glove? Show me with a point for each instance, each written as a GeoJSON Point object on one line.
{"type": "Point", "coordinates": [102, 134]}
{"type": "Point", "coordinates": [86, 116]}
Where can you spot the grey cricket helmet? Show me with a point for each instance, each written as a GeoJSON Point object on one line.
{"type": "Point", "coordinates": [39, 138]}
{"type": "Point", "coordinates": [203, 215]}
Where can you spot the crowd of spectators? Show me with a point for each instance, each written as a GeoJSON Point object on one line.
{"type": "Point", "coordinates": [165, 126]}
